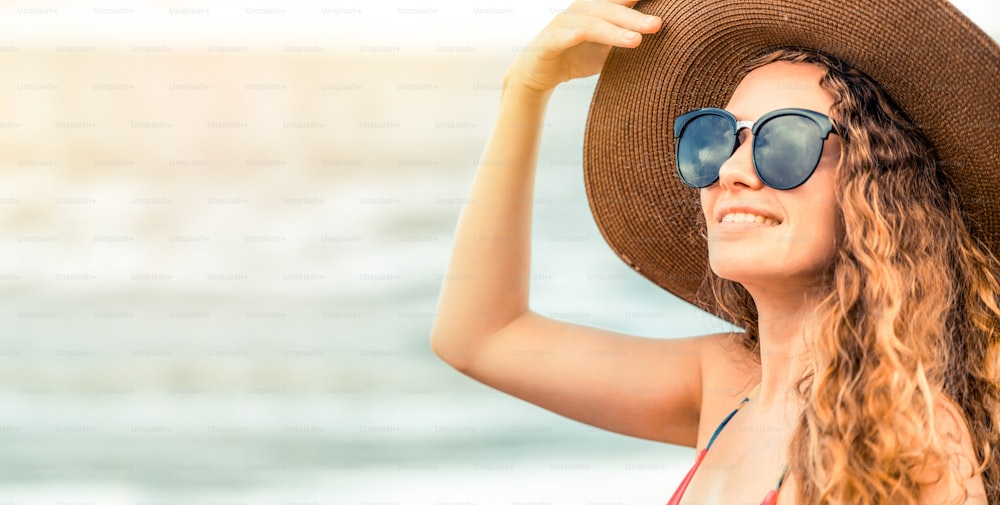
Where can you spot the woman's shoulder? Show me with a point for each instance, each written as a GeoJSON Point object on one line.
{"type": "Point", "coordinates": [724, 357]}
{"type": "Point", "coordinates": [951, 429]}
{"type": "Point", "coordinates": [729, 371]}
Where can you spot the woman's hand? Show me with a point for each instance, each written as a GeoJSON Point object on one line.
{"type": "Point", "coordinates": [577, 41]}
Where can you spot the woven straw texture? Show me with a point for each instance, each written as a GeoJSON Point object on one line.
{"type": "Point", "coordinates": [941, 68]}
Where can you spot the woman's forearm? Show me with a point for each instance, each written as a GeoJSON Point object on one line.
{"type": "Point", "coordinates": [486, 286]}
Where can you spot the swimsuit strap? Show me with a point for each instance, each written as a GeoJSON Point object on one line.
{"type": "Point", "coordinates": [772, 495]}
{"type": "Point", "coordinates": [753, 392]}
{"type": "Point", "coordinates": [781, 480]}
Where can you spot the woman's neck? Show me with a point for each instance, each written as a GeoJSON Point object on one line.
{"type": "Point", "coordinates": [787, 325]}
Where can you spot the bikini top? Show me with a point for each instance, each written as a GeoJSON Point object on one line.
{"type": "Point", "coordinates": [772, 495]}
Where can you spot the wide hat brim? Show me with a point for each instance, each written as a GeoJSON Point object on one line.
{"type": "Point", "coordinates": [938, 65]}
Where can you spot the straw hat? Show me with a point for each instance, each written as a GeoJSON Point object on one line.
{"type": "Point", "coordinates": [941, 69]}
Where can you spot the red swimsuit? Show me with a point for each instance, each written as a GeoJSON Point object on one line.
{"type": "Point", "coordinates": [772, 495]}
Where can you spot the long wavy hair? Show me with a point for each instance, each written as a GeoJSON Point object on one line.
{"type": "Point", "coordinates": [911, 322]}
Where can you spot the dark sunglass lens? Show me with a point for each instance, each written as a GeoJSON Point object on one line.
{"type": "Point", "coordinates": [787, 150]}
{"type": "Point", "coordinates": [705, 144]}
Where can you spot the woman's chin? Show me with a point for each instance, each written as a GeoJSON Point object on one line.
{"type": "Point", "coordinates": [754, 268]}
{"type": "Point", "coordinates": [760, 276]}
{"type": "Point", "coordinates": [744, 269]}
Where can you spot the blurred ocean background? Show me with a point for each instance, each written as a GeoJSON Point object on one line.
{"type": "Point", "coordinates": [225, 228]}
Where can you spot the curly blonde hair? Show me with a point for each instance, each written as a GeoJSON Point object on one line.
{"type": "Point", "coordinates": [911, 323]}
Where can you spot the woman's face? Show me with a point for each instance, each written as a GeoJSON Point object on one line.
{"type": "Point", "coordinates": [796, 245]}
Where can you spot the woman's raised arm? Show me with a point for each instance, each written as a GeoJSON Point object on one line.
{"type": "Point", "coordinates": [487, 282]}
{"type": "Point", "coordinates": [484, 328]}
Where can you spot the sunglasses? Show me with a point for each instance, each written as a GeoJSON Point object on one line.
{"type": "Point", "coordinates": [787, 144]}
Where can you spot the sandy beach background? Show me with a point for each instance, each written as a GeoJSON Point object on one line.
{"type": "Point", "coordinates": [224, 230]}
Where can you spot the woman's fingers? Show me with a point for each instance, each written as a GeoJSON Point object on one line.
{"type": "Point", "coordinates": [602, 32]}
{"type": "Point", "coordinates": [601, 23]}
{"type": "Point", "coordinates": [583, 12]}
{"type": "Point", "coordinates": [626, 3]}
{"type": "Point", "coordinates": [556, 41]}
{"type": "Point", "coordinates": [577, 41]}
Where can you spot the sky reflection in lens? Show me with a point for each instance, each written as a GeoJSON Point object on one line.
{"type": "Point", "coordinates": [786, 150]}
{"type": "Point", "coordinates": [705, 145]}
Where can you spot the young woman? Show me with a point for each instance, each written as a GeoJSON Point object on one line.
{"type": "Point", "coordinates": [845, 217]}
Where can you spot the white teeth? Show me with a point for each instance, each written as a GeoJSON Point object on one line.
{"type": "Point", "coordinates": [743, 217]}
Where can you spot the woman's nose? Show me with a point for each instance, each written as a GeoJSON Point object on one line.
{"type": "Point", "coordinates": [738, 170]}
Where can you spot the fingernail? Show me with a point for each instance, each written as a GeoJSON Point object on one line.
{"type": "Point", "coordinates": [649, 20]}
{"type": "Point", "coordinates": [630, 35]}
